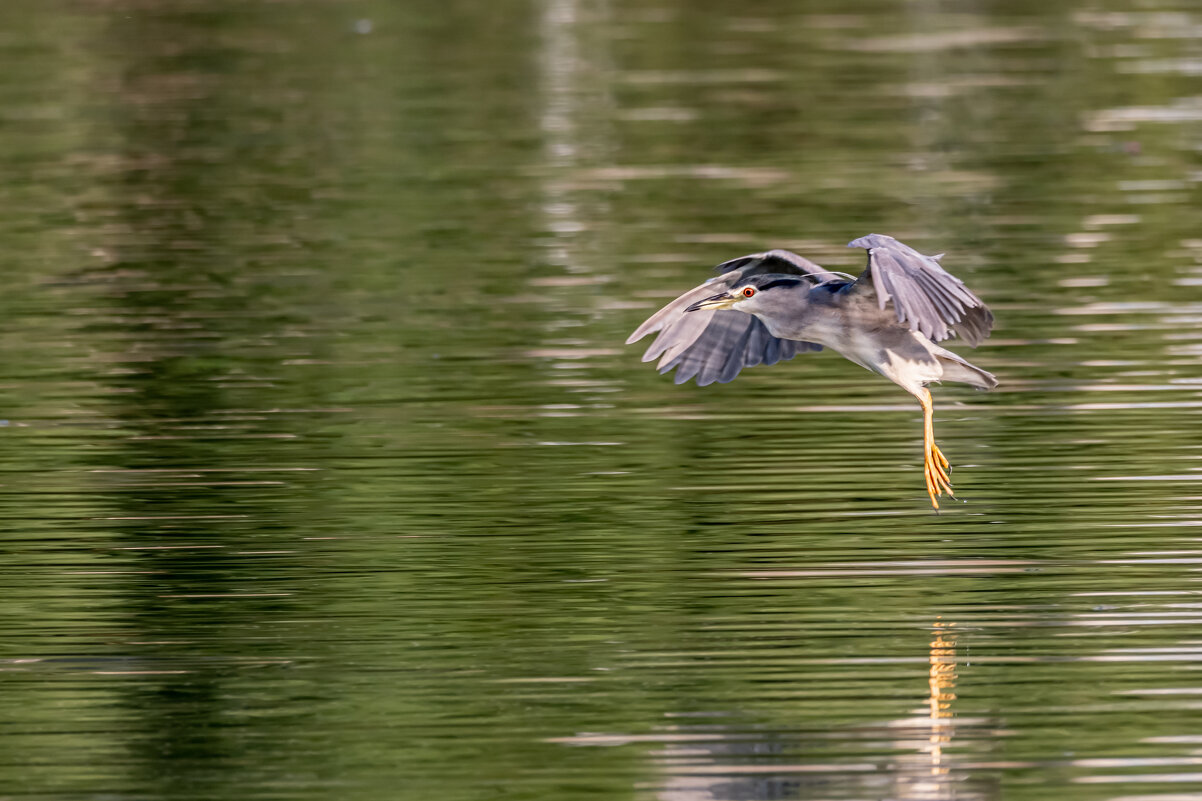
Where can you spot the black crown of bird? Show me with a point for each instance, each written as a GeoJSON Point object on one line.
{"type": "Point", "coordinates": [768, 307]}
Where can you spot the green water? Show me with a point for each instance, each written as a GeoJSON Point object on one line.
{"type": "Point", "coordinates": [325, 474]}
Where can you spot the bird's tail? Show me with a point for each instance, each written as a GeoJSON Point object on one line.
{"type": "Point", "coordinates": [958, 369]}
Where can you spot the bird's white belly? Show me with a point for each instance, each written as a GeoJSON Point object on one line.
{"type": "Point", "coordinates": [906, 359]}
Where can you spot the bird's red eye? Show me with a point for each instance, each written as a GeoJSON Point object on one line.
{"type": "Point", "coordinates": [748, 292]}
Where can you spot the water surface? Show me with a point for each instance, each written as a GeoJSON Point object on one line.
{"type": "Point", "coordinates": [324, 472]}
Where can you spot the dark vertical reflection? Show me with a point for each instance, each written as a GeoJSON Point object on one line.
{"type": "Point", "coordinates": [204, 176]}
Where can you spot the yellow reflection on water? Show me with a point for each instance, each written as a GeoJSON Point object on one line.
{"type": "Point", "coordinates": [942, 681]}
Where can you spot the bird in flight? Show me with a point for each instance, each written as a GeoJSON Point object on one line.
{"type": "Point", "coordinates": [767, 307]}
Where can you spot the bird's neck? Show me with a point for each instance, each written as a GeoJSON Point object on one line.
{"type": "Point", "coordinates": [788, 316]}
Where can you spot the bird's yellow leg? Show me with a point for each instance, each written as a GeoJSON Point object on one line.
{"type": "Point", "coordinates": [934, 463]}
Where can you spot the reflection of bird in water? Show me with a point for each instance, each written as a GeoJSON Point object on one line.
{"type": "Point", "coordinates": [926, 773]}
{"type": "Point", "coordinates": [707, 763]}
{"type": "Point", "coordinates": [771, 306]}
{"type": "Point", "coordinates": [942, 682]}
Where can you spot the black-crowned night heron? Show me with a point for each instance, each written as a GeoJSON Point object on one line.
{"type": "Point", "coordinates": [771, 306]}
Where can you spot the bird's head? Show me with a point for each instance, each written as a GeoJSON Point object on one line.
{"type": "Point", "coordinates": [759, 294]}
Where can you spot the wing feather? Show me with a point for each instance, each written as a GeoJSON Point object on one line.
{"type": "Point", "coordinates": [714, 345]}
{"type": "Point", "coordinates": [777, 261]}
{"type": "Point", "coordinates": [924, 295]}
{"type": "Point", "coordinates": [671, 311]}
{"type": "Point", "coordinates": [731, 342]}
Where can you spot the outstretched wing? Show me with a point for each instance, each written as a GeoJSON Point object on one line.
{"type": "Point", "coordinates": [784, 262]}
{"type": "Point", "coordinates": [924, 295]}
{"type": "Point", "coordinates": [715, 344]}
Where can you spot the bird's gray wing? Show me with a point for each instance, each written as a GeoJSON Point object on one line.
{"type": "Point", "coordinates": [784, 262]}
{"type": "Point", "coordinates": [924, 295]}
{"type": "Point", "coordinates": [730, 341]}
{"type": "Point", "coordinates": [712, 344]}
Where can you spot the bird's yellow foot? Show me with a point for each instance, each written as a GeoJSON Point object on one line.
{"type": "Point", "coordinates": [935, 467]}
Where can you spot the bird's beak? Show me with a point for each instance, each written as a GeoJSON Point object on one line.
{"type": "Point", "coordinates": [723, 300]}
